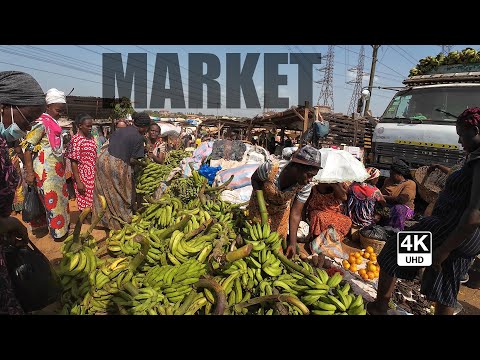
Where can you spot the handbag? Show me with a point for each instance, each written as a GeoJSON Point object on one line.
{"type": "Point", "coordinates": [32, 205]}
{"type": "Point", "coordinates": [35, 282]}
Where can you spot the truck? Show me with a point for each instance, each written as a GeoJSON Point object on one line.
{"type": "Point", "coordinates": [418, 125]}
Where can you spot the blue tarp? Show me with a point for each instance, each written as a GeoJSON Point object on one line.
{"type": "Point", "coordinates": [209, 172]}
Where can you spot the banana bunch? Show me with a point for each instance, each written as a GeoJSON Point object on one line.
{"type": "Point", "coordinates": [141, 301]}
{"type": "Point", "coordinates": [78, 264]}
{"type": "Point", "coordinates": [181, 250]}
{"type": "Point", "coordinates": [175, 280]}
{"type": "Point", "coordinates": [258, 235]}
{"type": "Point", "coordinates": [122, 242]}
{"type": "Point", "coordinates": [185, 189]}
{"type": "Point", "coordinates": [151, 176]}
{"type": "Point", "coordinates": [85, 240]}
{"type": "Point", "coordinates": [340, 302]}
{"type": "Point", "coordinates": [220, 210]}
{"type": "Point", "coordinates": [174, 157]}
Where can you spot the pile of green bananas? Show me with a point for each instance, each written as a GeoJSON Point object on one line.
{"type": "Point", "coordinates": [425, 65]}
{"type": "Point", "coordinates": [159, 262]}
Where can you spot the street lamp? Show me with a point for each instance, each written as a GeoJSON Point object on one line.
{"type": "Point", "coordinates": [364, 97]}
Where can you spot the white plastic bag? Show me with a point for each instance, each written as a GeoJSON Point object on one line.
{"type": "Point", "coordinates": [340, 166]}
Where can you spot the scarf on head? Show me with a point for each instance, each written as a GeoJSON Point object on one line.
{"type": "Point", "coordinates": [19, 88]}
{"type": "Point", "coordinates": [54, 133]}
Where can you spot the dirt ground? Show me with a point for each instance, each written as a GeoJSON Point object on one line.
{"type": "Point", "coordinates": [469, 298]}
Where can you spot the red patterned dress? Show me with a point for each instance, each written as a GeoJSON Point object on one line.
{"type": "Point", "coordinates": [84, 151]}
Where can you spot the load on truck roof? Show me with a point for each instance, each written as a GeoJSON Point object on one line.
{"type": "Point", "coordinates": [456, 67]}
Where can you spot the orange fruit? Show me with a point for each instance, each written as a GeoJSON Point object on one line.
{"type": "Point", "coordinates": [362, 252]}
{"type": "Point", "coordinates": [353, 268]}
{"type": "Point", "coordinates": [346, 264]}
{"type": "Point", "coordinates": [372, 268]}
{"type": "Point", "coordinates": [371, 275]}
{"type": "Point", "coordinates": [352, 260]}
{"type": "Point", "coordinates": [376, 273]}
{"type": "Point", "coordinates": [373, 257]}
{"type": "Point", "coordinates": [359, 261]}
{"type": "Point", "coordinates": [369, 249]}
{"type": "Point", "coordinates": [357, 255]}
{"type": "Point", "coordinates": [366, 255]}
{"type": "Point", "coordinates": [362, 272]}
{"type": "Point", "coordinates": [364, 276]}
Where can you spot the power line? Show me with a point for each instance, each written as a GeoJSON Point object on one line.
{"type": "Point", "coordinates": [403, 56]}
{"type": "Point", "coordinates": [408, 54]}
{"type": "Point", "coordinates": [388, 67]}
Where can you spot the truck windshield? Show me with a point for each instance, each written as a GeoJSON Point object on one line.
{"type": "Point", "coordinates": [432, 105]}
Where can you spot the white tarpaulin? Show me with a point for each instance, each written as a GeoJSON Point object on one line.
{"type": "Point", "coordinates": [169, 129]}
{"type": "Point", "coordinates": [339, 166]}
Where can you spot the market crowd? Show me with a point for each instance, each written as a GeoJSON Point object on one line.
{"type": "Point", "coordinates": [35, 155]}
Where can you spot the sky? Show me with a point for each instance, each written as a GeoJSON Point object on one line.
{"type": "Point", "coordinates": [79, 67]}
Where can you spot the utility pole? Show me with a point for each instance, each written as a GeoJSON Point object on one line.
{"type": "Point", "coordinates": [372, 75]}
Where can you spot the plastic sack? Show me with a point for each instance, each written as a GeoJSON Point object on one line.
{"type": "Point", "coordinates": [255, 154]}
{"type": "Point", "coordinates": [322, 128]}
{"type": "Point", "coordinates": [34, 281]}
{"type": "Point", "coordinates": [328, 243]}
{"type": "Point", "coordinates": [339, 166]}
{"type": "Point", "coordinates": [376, 232]}
{"type": "Point", "coordinates": [288, 152]}
{"type": "Point", "coordinates": [209, 172]}
{"type": "Point", "coordinates": [242, 176]}
{"type": "Point", "coordinates": [237, 196]}
{"type": "Point", "coordinates": [32, 205]}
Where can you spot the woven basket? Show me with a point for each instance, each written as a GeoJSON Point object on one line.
{"type": "Point", "coordinates": [377, 245]}
{"type": "Point", "coordinates": [429, 187]}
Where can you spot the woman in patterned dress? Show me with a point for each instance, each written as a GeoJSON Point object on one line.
{"type": "Point", "coordinates": [455, 227]}
{"type": "Point", "coordinates": [325, 209]}
{"type": "Point", "coordinates": [82, 152]}
{"type": "Point", "coordinates": [45, 166]}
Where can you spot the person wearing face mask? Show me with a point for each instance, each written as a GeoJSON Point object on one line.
{"type": "Point", "coordinates": [21, 102]}
{"type": "Point", "coordinates": [45, 166]}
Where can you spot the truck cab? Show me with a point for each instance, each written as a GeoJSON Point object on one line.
{"type": "Point", "coordinates": [418, 125]}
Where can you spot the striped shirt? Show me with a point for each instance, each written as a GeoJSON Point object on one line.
{"type": "Point", "coordinates": [264, 171]}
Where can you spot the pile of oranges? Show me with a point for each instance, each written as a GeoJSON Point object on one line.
{"type": "Point", "coordinates": [371, 270]}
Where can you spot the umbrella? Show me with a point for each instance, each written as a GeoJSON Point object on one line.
{"type": "Point", "coordinates": [340, 166]}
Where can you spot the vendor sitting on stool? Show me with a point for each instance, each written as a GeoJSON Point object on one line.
{"type": "Point", "coordinates": [399, 192]}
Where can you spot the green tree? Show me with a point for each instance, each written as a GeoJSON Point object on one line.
{"type": "Point", "coordinates": [122, 108]}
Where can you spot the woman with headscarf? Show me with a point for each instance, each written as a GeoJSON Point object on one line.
{"type": "Point", "coordinates": [115, 178]}
{"type": "Point", "coordinates": [286, 188]}
{"type": "Point", "coordinates": [82, 152]}
{"type": "Point", "coordinates": [45, 166]}
{"type": "Point", "coordinates": [455, 228]}
{"type": "Point", "coordinates": [21, 102]}
{"type": "Point", "coordinates": [362, 198]}
{"type": "Point", "coordinates": [399, 191]}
